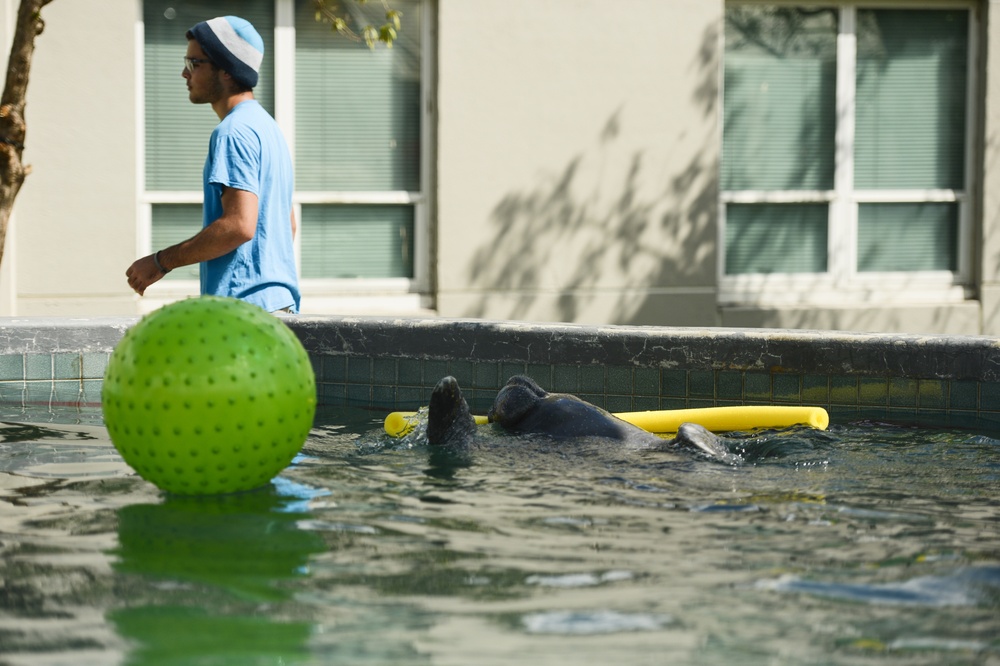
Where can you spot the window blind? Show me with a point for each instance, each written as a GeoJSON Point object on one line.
{"type": "Point", "coordinates": [357, 241]}
{"type": "Point", "coordinates": [780, 98]}
{"type": "Point", "coordinates": [173, 223]}
{"type": "Point", "coordinates": [908, 237]}
{"type": "Point", "coordinates": [776, 238]}
{"type": "Point", "coordinates": [911, 99]}
{"type": "Point", "coordinates": [357, 109]}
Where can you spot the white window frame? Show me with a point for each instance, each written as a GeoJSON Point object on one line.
{"type": "Point", "coordinates": [842, 284]}
{"type": "Point", "coordinates": [319, 296]}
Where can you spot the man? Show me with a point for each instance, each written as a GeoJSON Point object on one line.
{"type": "Point", "coordinates": [245, 246]}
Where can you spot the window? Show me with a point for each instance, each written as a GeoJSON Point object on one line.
{"type": "Point", "coordinates": [356, 128]}
{"type": "Point", "coordinates": [846, 141]}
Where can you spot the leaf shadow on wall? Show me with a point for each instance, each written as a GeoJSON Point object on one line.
{"type": "Point", "coordinates": [615, 219]}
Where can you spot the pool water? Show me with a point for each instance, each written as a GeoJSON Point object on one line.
{"type": "Point", "coordinates": [868, 543]}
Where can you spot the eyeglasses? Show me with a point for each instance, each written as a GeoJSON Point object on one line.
{"type": "Point", "coordinates": [191, 63]}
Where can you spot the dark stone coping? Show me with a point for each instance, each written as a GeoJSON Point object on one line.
{"type": "Point", "coordinates": [52, 335]}
{"type": "Point", "coordinates": [767, 350]}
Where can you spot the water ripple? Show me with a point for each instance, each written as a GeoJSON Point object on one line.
{"type": "Point", "coordinates": [965, 587]}
{"type": "Point", "coordinates": [592, 622]}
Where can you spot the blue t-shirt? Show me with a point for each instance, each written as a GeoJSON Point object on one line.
{"type": "Point", "coordinates": [248, 152]}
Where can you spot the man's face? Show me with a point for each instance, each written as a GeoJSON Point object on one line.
{"type": "Point", "coordinates": [204, 84]}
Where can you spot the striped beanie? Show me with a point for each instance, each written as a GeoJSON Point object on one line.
{"type": "Point", "coordinates": [233, 45]}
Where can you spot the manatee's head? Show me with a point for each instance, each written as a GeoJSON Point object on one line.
{"type": "Point", "coordinates": [449, 422]}
{"type": "Point", "coordinates": [516, 400]}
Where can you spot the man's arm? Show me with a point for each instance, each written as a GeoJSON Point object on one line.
{"type": "Point", "coordinates": [236, 226]}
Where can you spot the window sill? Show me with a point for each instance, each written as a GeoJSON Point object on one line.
{"type": "Point", "coordinates": [876, 289]}
{"type": "Point", "coordinates": [357, 297]}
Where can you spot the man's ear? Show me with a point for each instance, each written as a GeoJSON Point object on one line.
{"type": "Point", "coordinates": [227, 80]}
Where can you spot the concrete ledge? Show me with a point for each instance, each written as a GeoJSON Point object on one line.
{"type": "Point", "coordinates": [768, 350]}
{"type": "Point", "coordinates": [51, 335]}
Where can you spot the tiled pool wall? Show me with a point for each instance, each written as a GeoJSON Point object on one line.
{"type": "Point", "coordinates": [56, 362]}
{"type": "Point", "coordinates": [393, 363]}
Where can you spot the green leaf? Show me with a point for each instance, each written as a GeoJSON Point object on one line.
{"type": "Point", "coordinates": [386, 34]}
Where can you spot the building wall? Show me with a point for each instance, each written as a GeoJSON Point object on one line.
{"type": "Point", "coordinates": [577, 158]}
{"type": "Point", "coordinates": [75, 216]}
{"type": "Point", "coordinates": [576, 169]}
{"type": "Point", "coordinates": [989, 233]}
{"type": "Point", "coordinates": [577, 172]}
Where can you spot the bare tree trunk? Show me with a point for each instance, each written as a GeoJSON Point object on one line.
{"type": "Point", "coordinates": [12, 127]}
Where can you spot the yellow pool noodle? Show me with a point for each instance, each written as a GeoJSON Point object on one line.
{"type": "Point", "coordinates": [398, 424]}
{"type": "Point", "coordinates": [716, 419]}
{"type": "Point", "coordinates": [727, 419]}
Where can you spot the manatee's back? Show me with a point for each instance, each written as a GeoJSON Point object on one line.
{"type": "Point", "coordinates": [563, 416]}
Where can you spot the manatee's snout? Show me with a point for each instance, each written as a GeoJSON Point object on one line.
{"type": "Point", "coordinates": [446, 395]}
{"type": "Point", "coordinates": [446, 386]}
{"type": "Point", "coordinates": [449, 419]}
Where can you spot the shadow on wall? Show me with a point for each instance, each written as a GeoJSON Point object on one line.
{"type": "Point", "coordinates": [573, 232]}
{"type": "Point", "coordinates": [942, 319]}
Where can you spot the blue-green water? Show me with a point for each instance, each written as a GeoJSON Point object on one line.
{"type": "Point", "coordinates": [865, 544]}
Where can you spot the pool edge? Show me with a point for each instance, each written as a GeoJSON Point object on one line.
{"type": "Point", "coordinates": [392, 362]}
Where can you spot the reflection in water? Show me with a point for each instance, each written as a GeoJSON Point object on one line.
{"type": "Point", "coordinates": [214, 574]}
{"type": "Point", "coordinates": [592, 622]}
{"type": "Point", "coordinates": [966, 587]}
{"type": "Point", "coordinates": [244, 544]}
{"type": "Point", "coordinates": [188, 636]}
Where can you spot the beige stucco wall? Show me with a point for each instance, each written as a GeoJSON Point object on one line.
{"type": "Point", "coordinates": [575, 169]}
{"type": "Point", "coordinates": [951, 319]}
{"type": "Point", "coordinates": [577, 153]}
{"type": "Point", "coordinates": [76, 214]}
{"type": "Point", "coordinates": [990, 231]}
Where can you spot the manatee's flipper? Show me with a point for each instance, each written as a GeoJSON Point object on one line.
{"type": "Point", "coordinates": [449, 422]}
{"type": "Point", "coordinates": [696, 436]}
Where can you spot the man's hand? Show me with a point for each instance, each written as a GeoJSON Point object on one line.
{"type": "Point", "coordinates": [236, 226]}
{"type": "Point", "coordinates": [143, 273]}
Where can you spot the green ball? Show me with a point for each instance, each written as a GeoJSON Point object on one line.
{"type": "Point", "coordinates": [209, 395]}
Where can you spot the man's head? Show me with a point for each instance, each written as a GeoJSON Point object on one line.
{"type": "Point", "coordinates": [233, 45]}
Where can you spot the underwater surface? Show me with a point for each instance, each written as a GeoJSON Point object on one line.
{"type": "Point", "coordinates": [867, 543]}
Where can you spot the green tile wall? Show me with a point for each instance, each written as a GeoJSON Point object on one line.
{"type": "Point", "coordinates": [392, 383]}
{"type": "Point", "coordinates": [407, 383]}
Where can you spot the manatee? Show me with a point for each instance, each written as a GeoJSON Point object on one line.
{"type": "Point", "coordinates": [524, 407]}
